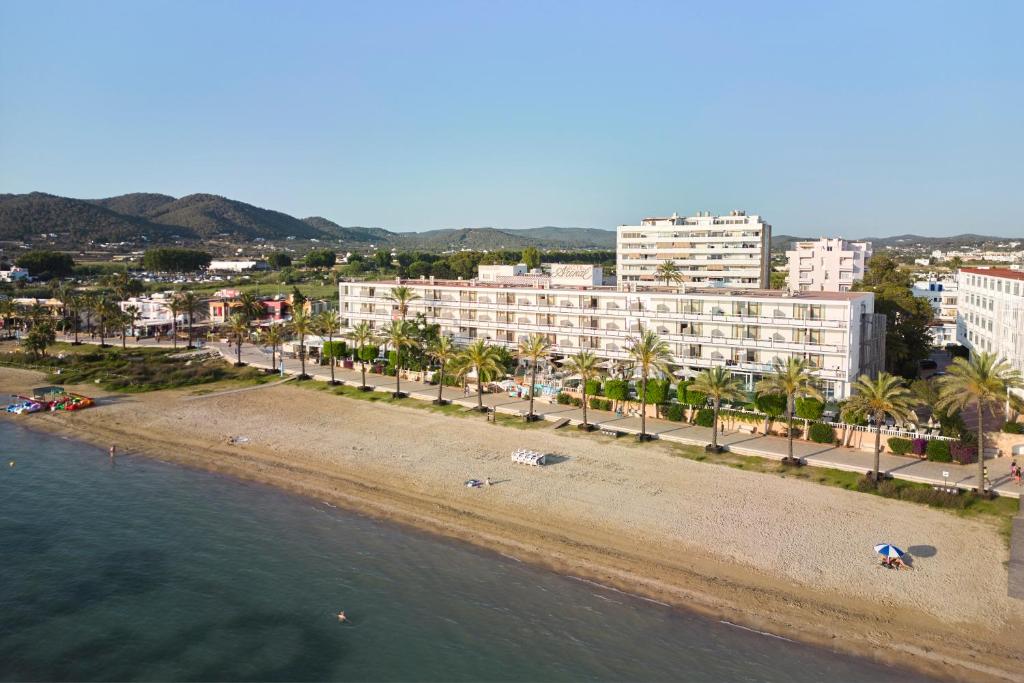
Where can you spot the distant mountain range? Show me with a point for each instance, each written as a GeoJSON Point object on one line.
{"type": "Point", "coordinates": [158, 218]}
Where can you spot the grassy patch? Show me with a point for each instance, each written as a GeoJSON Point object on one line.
{"type": "Point", "coordinates": [131, 370]}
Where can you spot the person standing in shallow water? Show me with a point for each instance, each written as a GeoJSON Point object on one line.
{"type": "Point", "coordinates": [113, 451]}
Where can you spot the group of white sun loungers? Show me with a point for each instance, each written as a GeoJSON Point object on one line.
{"type": "Point", "coordinates": [527, 457]}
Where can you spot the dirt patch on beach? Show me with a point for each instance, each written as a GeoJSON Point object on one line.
{"type": "Point", "coordinates": [781, 555]}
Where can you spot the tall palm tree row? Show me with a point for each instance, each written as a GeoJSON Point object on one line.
{"type": "Point", "coordinates": [442, 351]}
{"type": "Point", "coordinates": [325, 324]}
{"type": "Point", "coordinates": [362, 337]}
{"type": "Point", "coordinates": [250, 306]}
{"type": "Point", "coordinates": [719, 385]}
{"type": "Point", "coordinates": [483, 359]}
{"type": "Point", "coordinates": [402, 296]}
{"type": "Point", "coordinates": [648, 353]}
{"type": "Point", "coordinates": [793, 380]}
{"type": "Point", "coordinates": [533, 349]}
{"type": "Point", "coordinates": [587, 365]}
{"type": "Point", "coordinates": [238, 328]}
{"type": "Point", "coordinates": [105, 313]}
{"type": "Point", "coordinates": [984, 380]}
{"type": "Point", "coordinates": [399, 335]}
{"type": "Point", "coordinates": [301, 325]}
{"type": "Point", "coordinates": [8, 313]}
{"type": "Point", "coordinates": [880, 398]}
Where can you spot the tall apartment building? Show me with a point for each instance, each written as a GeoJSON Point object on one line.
{"type": "Point", "coordinates": [745, 330]}
{"type": "Point", "coordinates": [709, 251]}
{"type": "Point", "coordinates": [991, 302]}
{"type": "Point", "coordinates": [830, 264]}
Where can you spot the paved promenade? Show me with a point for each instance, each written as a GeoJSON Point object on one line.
{"type": "Point", "coordinates": [773, 447]}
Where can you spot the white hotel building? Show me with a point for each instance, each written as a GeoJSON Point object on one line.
{"type": "Point", "coordinates": [991, 312]}
{"type": "Point", "coordinates": [744, 329]}
{"type": "Point", "coordinates": [710, 251]}
{"type": "Point", "coordinates": [830, 264]}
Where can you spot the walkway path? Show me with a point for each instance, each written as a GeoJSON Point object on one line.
{"type": "Point", "coordinates": [772, 447]}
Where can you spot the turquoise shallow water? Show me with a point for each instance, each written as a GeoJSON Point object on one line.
{"type": "Point", "coordinates": [141, 570]}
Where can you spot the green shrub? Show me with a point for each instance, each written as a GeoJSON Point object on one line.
{"type": "Point", "coordinates": [593, 387]}
{"type": "Point", "coordinates": [938, 451]}
{"type": "Point", "coordinates": [705, 417]}
{"type": "Point", "coordinates": [657, 391]}
{"type": "Point", "coordinates": [1013, 428]}
{"type": "Point", "coordinates": [809, 408]}
{"type": "Point", "coordinates": [564, 399]}
{"type": "Point", "coordinates": [616, 389]}
{"type": "Point", "coordinates": [772, 405]}
{"type": "Point", "coordinates": [675, 412]}
{"type": "Point", "coordinates": [577, 402]}
{"type": "Point", "coordinates": [600, 404]}
{"type": "Point", "coordinates": [689, 397]}
{"type": "Point", "coordinates": [821, 433]}
{"type": "Point", "coordinates": [900, 446]}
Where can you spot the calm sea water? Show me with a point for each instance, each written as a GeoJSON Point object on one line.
{"type": "Point", "coordinates": [141, 570]}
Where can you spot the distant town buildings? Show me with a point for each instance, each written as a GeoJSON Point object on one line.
{"type": "Point", "coordinates": [830, 264]}
{"type": "Point", "coordinates": [709, 251]}
{"type": "Point", "coordinates": [992, 312]}
{"type": "Point", "coordinates": [236, 265]}
{"type": "Point", "coordinates": [14, 274]}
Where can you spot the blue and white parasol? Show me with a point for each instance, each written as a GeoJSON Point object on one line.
{"type": "Point", "coordinates": [886, 550]}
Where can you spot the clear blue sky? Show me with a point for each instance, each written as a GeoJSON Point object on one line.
{"type": "Point", "coordinates": [846, 118]}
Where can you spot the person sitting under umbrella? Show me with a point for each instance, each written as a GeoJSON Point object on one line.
{"type": "Point", "coordinates": [891, 556]}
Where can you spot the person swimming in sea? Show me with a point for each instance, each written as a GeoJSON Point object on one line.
{"type": "Point", "coordinates": [342, 618]}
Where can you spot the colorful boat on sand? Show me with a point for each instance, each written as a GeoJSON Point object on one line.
{"type": "Point", "coordinates": [24, 405]}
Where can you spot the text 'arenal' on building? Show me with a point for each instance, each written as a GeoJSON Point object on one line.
{"type": "Point", "coordinates": [711, 311]}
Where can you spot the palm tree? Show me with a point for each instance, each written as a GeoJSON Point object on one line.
{"type": "Point", "coordinates": [718, 384]}
{"type": "Point", "coordinates": [648, 353]}
{"type": "Point", "coordinates": [88, 304]}
{"type": "Point", "coordinates": [669, 272]}
{"type": "Point", "coordinates": [586, 365]}
{"type": "Point", "coordinates": [986, 380]}
{"type": "Point", "coordinates": [301, 324]}
{"type": "Point", "coordinates": [533, 348]}
{"type": "Point", "coordinates": [482, 358]}
{"type": "Point", "coordinates": [133, 315]}
{"type": "Point", "coordinates": [402, 295]}
{"type": "Point", "coordinates": [881, 398]}
{"type": "Point", "coordinates": [325, 324]}
{"type": "Point", "coordinates": [102, 309]}
{"type": "Point", "coordinates": [361, 337]}
{"type": "Point", "coordinates": [238, 328]}
{"type": "Point", "coordinates": [793, 380]}
{"type": "Point", "coordinates": [273, 335]}
{"type": "Point", "coordinates": [124, 321]}
{"type": "Point", "coordinates": [250, 306]}
{"type": "Point", "coordinates": [189, 304]}
{"type": "Point", "coordinates": [399, 335]}
{"type": "Point", "coordinates": [8, 312]}
{"type": "Point", "coordinates": [442, 351]}
{"type": "Point", "coordinates": [175, 307]}
{"type": "Point", "coordinates": [75, 304]}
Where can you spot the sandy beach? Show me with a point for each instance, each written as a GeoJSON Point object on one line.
{"type": "Point", "coordinates": [789, 557]}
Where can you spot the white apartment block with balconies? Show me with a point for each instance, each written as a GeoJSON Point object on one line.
{"type": "Point", "coordinates": [991, 302]}
{"type": "Point", "coordinates": [829, 264]}
{"type": "Point", "coordinates": [709, 251]}
{"type": "Point", "coordinates": [745, 330]}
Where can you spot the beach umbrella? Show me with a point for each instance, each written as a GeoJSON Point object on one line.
{"type": "Point", "coordinates": [886, 550]}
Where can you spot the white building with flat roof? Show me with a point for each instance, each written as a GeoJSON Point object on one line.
{"type": "Point", "coordinates": [744, 330]}
{"type": "Point", "coordinates": [829, 264]}
{"type": "Point", "coordinates": [991, 304]}
{"type": "Point", "coordinates": [236, 265]}
{"type": "Point", "coordinates": [709, 251]}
